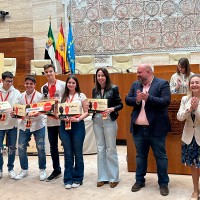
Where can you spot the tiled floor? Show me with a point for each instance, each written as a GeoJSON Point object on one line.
{"type": "Point", "coordinates": [30, 188]}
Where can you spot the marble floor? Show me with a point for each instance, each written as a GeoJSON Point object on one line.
{"type": "Point", "coordinates": [30, 188]}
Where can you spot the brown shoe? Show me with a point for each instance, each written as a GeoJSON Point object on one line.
{"type": "Point", "coordinates": [100, 184]}
{"type": "Point", "coordinates": [113, 184]}
{"type": "Point", "coordinates": [164, 191]}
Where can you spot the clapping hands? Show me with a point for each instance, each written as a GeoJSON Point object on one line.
{"type": "Point", "coordinates": [194, 104]}
{"type": "Point", "coordinates": [141, 96]}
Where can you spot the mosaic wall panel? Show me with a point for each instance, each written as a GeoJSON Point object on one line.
{"type": "Point", "coordinates": [135, 26]}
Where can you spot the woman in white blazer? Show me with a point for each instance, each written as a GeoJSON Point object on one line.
{"type": "Point", "coordinates": [190, 112]}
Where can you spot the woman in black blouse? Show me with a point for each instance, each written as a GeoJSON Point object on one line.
{"type": "Point", "coordinates": [105, 130]}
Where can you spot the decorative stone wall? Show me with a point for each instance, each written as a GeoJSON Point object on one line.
{"type": "Point", "coordinates": [107, 27]}
{"type": "Point", "coordinates": [135, 26]}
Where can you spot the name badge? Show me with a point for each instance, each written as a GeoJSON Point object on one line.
{"type": "Point", "coordinates": [68, 125]}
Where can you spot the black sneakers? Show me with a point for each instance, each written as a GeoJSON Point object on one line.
{"type": "Point", "coordinates": [54, 175]}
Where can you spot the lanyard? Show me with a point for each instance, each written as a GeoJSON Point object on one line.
{"type": "Point", "coordinates": [31, 98]}
{"type": "Point", "coordinates": [52, 89]}
{"type": "Point", "coordinates": [5, 98]}
{"type": "Point", "coordinates": [68, 100]}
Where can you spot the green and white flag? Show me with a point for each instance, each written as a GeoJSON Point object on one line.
{"type": "Point", "coordinates": [50, 48]}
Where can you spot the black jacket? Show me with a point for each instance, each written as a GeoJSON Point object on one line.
{"type": "Point", "coordinates": [113, 97]}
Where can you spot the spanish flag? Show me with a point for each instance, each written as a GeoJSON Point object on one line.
{"type": "Point", "coordinates": [61, 51]}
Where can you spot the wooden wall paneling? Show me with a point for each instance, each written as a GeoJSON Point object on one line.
{"type": "Point", "coordinates": [18, 82]}
{"type": "Point", "coordinates": [87, 82]}
{"type": "Point", "coordinates": [164, 75]}
{"type": "Point", "coordinates": [117, 79]}
{"type": "Point", "coordinates": [165, 68]}
{"type": "Point", "coordinates": [124, 82]}
{"type": "Point", "coordinates": [20, 48]}
{"type": "Point", "coordinates": [40, 81]}
{"type": "Point", "coordinates": [173, 68]}
{"type": "Point", "coordinates": [1, 63]}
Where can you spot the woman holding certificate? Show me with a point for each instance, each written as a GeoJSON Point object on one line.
{"type": "Point", "coordinates": [72, 135]}
{"type": "Point", "coordinates": [105, 129]}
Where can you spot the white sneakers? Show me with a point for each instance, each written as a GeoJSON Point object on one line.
{"type": "Point", "coordinates": [43, 174]}
{"type": "Point", "coordinates": [74, 185]}
{"type": "Point", "coordinates": [21, 175]}
{"type": "Point", "coordinates": [68, 186]}
{"type": "Point", "coordinates": [12, 174]}
{"type": "Point", "coordinates": [24, 173]}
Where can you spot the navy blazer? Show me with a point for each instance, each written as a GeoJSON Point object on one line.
{"type": "Point", "coordinates": [155, 107]}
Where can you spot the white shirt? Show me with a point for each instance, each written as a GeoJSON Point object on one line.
{"type": "Point", "coordinates": [13, 98]}
{"type": "Point", "coordinates": [184, 83]}
{"type": "Point", "coordinates": [60, 88]}
{"type": "Point", "coordinates": [78, 98]}
{"type": "Point", "coordinates": [36, 122]}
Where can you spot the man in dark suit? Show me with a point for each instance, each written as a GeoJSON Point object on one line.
{"type": "Point", "coordinates": [150, 97]}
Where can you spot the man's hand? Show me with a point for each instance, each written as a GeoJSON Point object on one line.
{"type": "Point", "coordinates": [142, 96]}
{"type": "Point", "coordinates": [138, 96]}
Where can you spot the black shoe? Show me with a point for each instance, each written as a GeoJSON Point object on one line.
{"type": "Point", "coordinates": [137, 186]}
{"type": "Point", "coordinates": [54, 175]}
{"type": "Point", "coordinates": [164, 190]}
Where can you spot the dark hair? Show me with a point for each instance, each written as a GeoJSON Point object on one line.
{"type": "Point", "coordinates": [31, 78]}
{"type": "Point", "coordinates": [108, 80]}
{"type": "Point", "coordinates": [6, 74]}
{"type": "Point", "coordinates": [66, 92]}
{"type": "Point", "coordinates": [49, 65]}
{"type": "Point", "coordinates": [184, 63]}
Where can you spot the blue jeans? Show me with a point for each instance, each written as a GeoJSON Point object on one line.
{"type": "Point", "coordinates": [11, 139]}
{"type": "Point", "coordinates": [53, 133]}
{"type": "Point", "coordinates": [24, 138]}
{"type": "Point", "coordinates": [72, 141]}
{"type": "Point", "coordinates": [105, 131]}
{"type": "Point", "coordinates": [143, 141]}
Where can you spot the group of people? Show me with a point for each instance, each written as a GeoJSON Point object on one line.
{"type": "Point", "coordinates": [72, 138]}
{"type": "Point", "coordinates": [149, 96]}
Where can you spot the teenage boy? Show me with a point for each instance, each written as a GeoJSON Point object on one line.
{"type": "Point", "coordinates": [8, 125]}
{"type": "Point", "coordinates": [34, 124]}
{"type": "Point", "coordinates": [55, 89]}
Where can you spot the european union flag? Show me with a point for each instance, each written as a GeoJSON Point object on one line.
{"type": "Point", "coordinates": [71, 50]}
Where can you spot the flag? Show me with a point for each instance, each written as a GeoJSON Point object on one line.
{"type": "Point", "coordinates": [61, 51]}
{"type": "Point", "coordinates": [71, 50]}
{"type": "Point", "coordinates": [50, 48]}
